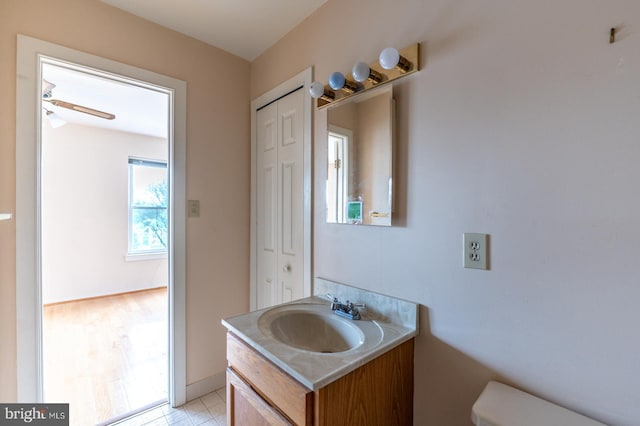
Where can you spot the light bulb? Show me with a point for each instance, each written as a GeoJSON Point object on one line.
{"type": "Point", "coordinates": [361, 72]}
{"type": "Point", "coordinates": [336, 81]}
{"type": "Point", "coordinates": [316, 89]}
{"type": "Point", "coordinates": [389, 58]}
{"type": "Point", "coordinates": [55, 120]}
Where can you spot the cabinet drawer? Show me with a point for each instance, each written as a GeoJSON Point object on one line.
{"type": "Point", "coordinates": [273, 384]}
{"type": "Point", "coordinates": [247, 407]}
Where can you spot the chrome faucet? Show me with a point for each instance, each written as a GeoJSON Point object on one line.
{"type": "Point", "coordinates": [347, 310]}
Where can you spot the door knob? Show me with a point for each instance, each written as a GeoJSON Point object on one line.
{"type": "Point", "coordinates": [286, 268]}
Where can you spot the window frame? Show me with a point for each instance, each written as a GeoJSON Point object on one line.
{"type": "Point", "coordinates": [132, 254]}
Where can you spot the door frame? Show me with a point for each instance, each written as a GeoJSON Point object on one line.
{"type": "Point", "coordinates": [28, 225]}
{"type": "Point", "coordinates": [345, 167]}
{"type": "Point", "coordinates": [302, 79]}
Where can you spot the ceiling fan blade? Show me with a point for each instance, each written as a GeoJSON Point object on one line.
{"type": "Point", "coordinates": [80, 108]}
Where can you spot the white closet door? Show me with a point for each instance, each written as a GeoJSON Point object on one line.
{"type": "Point", "coordinates": [291, 193]}
{"type": "Point", "coordinates": [280, 201]}
{"type": "Point", "coordinates": [267, 206]}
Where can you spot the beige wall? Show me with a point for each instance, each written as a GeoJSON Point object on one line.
{"type": "Point", "coordinates": [217, 160]}
{"type": "Point", "coordinates": [85, 194]}
{"type": "Point", "coordinates": [523, 124]}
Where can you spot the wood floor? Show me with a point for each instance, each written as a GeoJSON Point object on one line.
{"type": "Point", "coordinates": [106, 356]}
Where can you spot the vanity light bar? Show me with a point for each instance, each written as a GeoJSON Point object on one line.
{"type": "Point", "coordinates": [392, 65]}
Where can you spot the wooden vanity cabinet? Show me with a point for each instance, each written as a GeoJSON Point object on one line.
{"type": "Point", "coordinates": [377, 393]}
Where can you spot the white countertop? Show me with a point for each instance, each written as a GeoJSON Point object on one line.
{"type": "Point", "coordinates": [316, 370]}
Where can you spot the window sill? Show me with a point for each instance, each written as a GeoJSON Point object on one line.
{"type": "Point", "coordinates": [144, 256]}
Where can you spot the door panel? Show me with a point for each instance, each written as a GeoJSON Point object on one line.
{"type": "Point", "coordinates": [269, 245]}
{"type": "Point", "coordinates": [280, 201]}
{"type": "Point", "coordinates": [288, 207]}
{"type": "Point", "coordinates": [267, 217]}
{"type": "Point", "coordinates": [270, 131]}
{"type": "Point", "coordinates": [269, 208]}
{"type": "Point", "coordinates": [290, 159]}
{"type": "Point", "coordinates": [289, 125]}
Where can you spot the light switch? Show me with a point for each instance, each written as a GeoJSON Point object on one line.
{"type": "Point", "coordinates": [193, 207]}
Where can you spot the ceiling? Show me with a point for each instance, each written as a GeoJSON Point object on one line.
{"type": "Point", "coordinates": [245, 28]}
{"type": "Point", "coordinates": [137, 109]}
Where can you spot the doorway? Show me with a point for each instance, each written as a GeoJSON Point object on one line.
{"type": "Point", "coordinates": [29, 220]}
{"type": "Point", "coordinates": [104, 228]}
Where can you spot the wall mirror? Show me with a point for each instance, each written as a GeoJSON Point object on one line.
{"type": "Point", "coordinates": [360, 159]}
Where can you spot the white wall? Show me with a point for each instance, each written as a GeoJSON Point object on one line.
{"type": "Point", "coordinates": [85, 213]}
{"type": "Point", "coordinates": [523, 124]}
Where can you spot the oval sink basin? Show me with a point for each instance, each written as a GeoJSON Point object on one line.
{"type": "Point", "coordinates": [311, 329]}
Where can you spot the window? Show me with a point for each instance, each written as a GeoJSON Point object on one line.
{"type": "Point", "coordinates": [148, 198]}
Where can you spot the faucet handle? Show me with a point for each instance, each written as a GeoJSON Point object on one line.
{"type": "Point", "coordinates": [352, 309]}
{"type": "Point", "coordinates": [334, 302]}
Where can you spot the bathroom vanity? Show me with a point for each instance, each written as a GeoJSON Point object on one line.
{"type": "Point", "coordinates": [299, 363]}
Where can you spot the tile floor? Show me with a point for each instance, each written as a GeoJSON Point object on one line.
{"type": "Point", "coordinates": [208, 410]}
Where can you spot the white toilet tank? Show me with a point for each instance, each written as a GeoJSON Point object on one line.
{"type": "Point", "coordinates": [502, 405]}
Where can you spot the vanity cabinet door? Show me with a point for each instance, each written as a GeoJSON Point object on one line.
{"type": "Point", "coordinates": [292, 399]}
{"type": "Point", "coordinates": [245, 407]}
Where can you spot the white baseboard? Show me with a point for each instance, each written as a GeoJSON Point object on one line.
{"type": "Point", "coordinates": [205, 386]}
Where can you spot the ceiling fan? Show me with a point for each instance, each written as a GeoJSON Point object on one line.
{"type": "Point", "coordinates": [47, 96]}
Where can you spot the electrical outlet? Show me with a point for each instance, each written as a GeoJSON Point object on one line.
{"type": "Point", "coordinates": [475, 251]}
{"type": "Point", "coordinates": [193, 207]}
